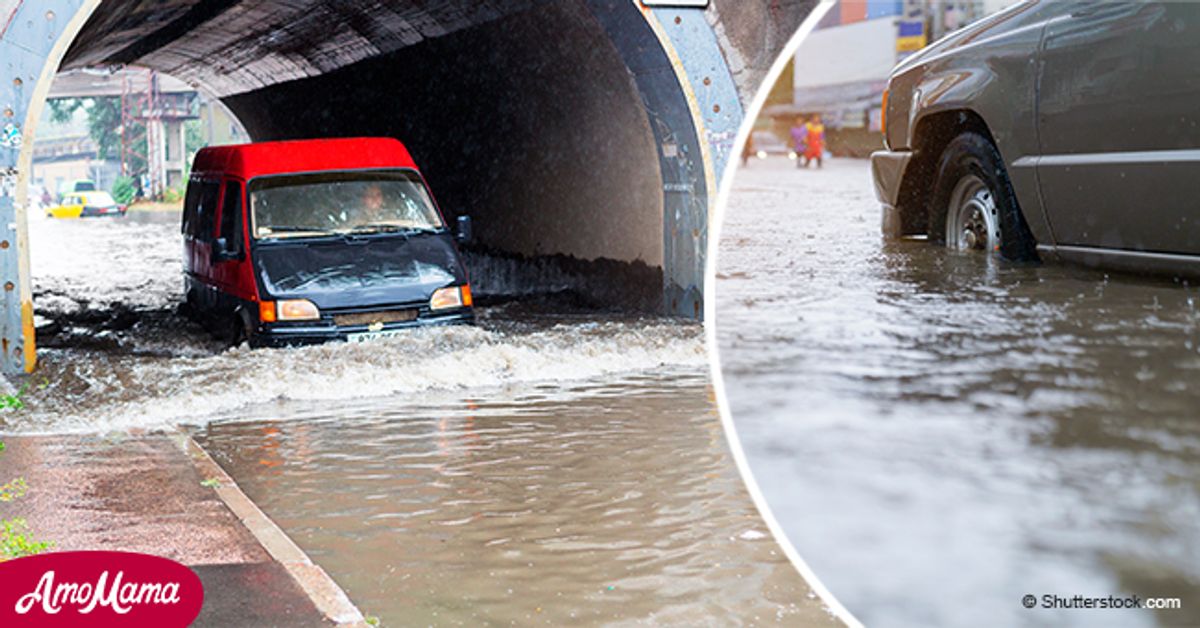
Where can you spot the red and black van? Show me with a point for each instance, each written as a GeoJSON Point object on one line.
{"type": "Point", "coordinates": [307, 241]}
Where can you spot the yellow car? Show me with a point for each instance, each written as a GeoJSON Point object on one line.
{"type": "Point", "coordinates": [83, 204]}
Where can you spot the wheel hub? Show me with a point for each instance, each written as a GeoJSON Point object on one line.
{"type": "Point", "coordinates": [972, 219]}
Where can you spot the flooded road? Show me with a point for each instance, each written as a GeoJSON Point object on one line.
{"type": "Point", "coordinates": [552, 464]}
{"type": "Point", "coordinates": [609, 502]}
{"type": "Point", "coordinates": [941, 435]}
{"type": "Point", "coordinates": [115, 354]}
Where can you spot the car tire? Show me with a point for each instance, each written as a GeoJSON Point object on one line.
{"type": "Point", "coordinates": [189, 309]}
{"type": "Point", "coordinates": [974, 207]}
{"type": "Point", "coordinates": [244, 330]}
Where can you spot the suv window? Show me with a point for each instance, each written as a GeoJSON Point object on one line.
{"type": "Point", "coordinates": [231, 216]}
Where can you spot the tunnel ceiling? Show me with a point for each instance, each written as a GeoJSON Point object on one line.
{"type": "Point", "coordinates": [235, 46]}
{"type": "Point", "coordinates": [522, 114]}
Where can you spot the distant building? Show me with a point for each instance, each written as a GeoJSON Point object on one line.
{"type": "Point", "coordinates": [65, 152]}
{"type": "Point", "coordinates": [164, 106]}
{"type": "Point", "coordinates": [841, 69]}
{"type": "Point", "coordinates": [218, 127]}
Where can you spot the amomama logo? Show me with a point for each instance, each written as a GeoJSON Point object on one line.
{"type": "Point", "coordinates": [98, 589]}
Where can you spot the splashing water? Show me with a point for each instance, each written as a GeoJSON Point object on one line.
{"type": "Point", "coordinates": [115, 355]}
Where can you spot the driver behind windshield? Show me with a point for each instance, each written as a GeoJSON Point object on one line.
{"type": "Point", "coordinates": [303, 205]}
{"type": "Point", "coordinates": [372, 210]}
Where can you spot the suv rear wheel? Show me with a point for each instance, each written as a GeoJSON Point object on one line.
{"type": "Point", "coordinates": [974, 207]}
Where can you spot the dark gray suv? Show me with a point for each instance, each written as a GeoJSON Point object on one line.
{"type": "Point", "coordinates": [1060, 129]}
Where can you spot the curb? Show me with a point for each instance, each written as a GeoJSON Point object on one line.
{"type": "Point", "coordinates": [325, 594]}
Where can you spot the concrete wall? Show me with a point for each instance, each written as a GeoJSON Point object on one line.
{"type": "Point", "coordinates": [752, 34]}
{"type": "Point", "coordinates": [531, 124]}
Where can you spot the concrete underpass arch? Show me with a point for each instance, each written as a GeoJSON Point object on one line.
{"type": "Point", "coordinates": [674, 59]}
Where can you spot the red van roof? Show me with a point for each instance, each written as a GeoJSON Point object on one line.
{"type": "Point", "coordinates": [269, 158]}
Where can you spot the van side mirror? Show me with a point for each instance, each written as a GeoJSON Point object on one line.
{"type": "Point", "coordinates": [465, 231]}
{"type": "Point", "coordinates": [221, 251]}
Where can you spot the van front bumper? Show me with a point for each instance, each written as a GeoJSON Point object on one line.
{"type": "Point", "coordinates": [295, 334]}
{"type": "Point", "coordinates": [887, 171]}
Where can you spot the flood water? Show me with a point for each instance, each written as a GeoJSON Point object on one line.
{"type": "Point", "coordinates": [115, 354]}
{"type": "Point", "coordinates": [598, 503]}
{"type": "Point", "coordinates": [941, 435]}
{"type": "Point", "coordinates": [552, 464]}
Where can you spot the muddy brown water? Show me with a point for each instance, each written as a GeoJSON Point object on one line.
{"type": "Point", "coordinates": [610, 502]}
{"type": "Point", "coordinates": [941, 435]}
{"type": "Point", "coordinates": [550, 465]}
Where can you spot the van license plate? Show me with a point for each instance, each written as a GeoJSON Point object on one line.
{"type": "Point", "coordinates": [374, 335]}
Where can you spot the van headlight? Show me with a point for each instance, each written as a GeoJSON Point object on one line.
{"type": "Point", "coordinates": [297, 310]}
{"type": "Point", "coordinates": [454, 296]}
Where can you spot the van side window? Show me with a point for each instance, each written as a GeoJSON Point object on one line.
{"type": "Point", "coordinates": [190, 203]}
{"type": "Point", "coordinates": [205, 220]}
{"type": "Point", "coordinates": [231, 216]}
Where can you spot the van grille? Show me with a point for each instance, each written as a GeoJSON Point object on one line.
{"type": "Point", "coordinates": [368, 318]}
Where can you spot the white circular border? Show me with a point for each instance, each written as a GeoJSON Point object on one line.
{"type": "Point", "coordinates": [710, 315]}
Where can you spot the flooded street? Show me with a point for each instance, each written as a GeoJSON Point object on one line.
{"type": "Point", "coordinates": [115, 354]}
{"type": "Point", "coordinates": [599, 503]}
{"type": "Point", "coordinates": [941, 435]}
{"type": "Point", "coordinates": [553, 464]}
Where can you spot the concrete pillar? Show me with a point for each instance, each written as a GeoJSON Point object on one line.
{"type": "Point", "coordinates": [692, 101]}
{"type": "Point", "coordinates": [712, 94]}
{"type": "Point", "coordinates": [34, 36]}
{"type": "Point", "coordinates": [175, 157]}
{"type": "Point", "coordinates": [156, 147]}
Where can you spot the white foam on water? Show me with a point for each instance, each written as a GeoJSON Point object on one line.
{"type": "Point", "coordinates": [137, 392]}
{"type": "Point", "coordinates": [105, 260]}
{"type": "Point", "coordinates": [162, 373]}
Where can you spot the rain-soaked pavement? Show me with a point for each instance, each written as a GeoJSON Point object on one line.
{"type": "Point", "coordinates": [552, 464]}
{"type": "Point", "coordinates": [940, 435]}
{"type": "Point", "coordinates": [128, 493]}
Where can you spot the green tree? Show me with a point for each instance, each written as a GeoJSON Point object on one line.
{"type": "Point", "coordinates": [124, 190]}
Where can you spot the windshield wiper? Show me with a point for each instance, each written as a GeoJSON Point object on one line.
{"type": "Point", "coordinates": [376, 228]}
{"type": "Point", "coordinates": [390, 228]}
{"type": "Point", "coordinates": [296, 229]}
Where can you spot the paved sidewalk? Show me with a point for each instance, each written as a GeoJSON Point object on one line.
{"type": "Point", "coordinates": [145, 494]}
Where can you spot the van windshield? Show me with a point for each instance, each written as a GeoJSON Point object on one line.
{"type": "Point", "coordinates": [340, 203]}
